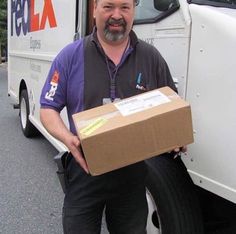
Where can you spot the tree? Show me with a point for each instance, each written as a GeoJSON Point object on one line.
{"type": "Point", "coordinates": [3, 27]}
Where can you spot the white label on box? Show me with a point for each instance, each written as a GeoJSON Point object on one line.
{"type": "Point", "coordinates": [141, 102]}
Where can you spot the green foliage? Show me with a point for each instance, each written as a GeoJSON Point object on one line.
{"type": "Point", "coordinates": [3, 23]}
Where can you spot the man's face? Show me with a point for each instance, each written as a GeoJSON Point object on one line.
{"type": "Point", "coordinates": [114, 19]}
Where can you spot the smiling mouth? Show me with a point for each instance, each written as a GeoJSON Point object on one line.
{"type": "Point", "coordinates": [116, 25]}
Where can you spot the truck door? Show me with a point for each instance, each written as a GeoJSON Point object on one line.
{"type": "Point", "coordinates": [164, 24]}
{"type": "Point", "coordinates": [84, 18]}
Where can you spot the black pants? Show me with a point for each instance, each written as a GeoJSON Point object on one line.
{"type": "Point", "coordinates": [121, 194]}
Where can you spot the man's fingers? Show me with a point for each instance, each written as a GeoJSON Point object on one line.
{"type": "Point", "coordinates": [74, 147]}
{"type": "Point", "coordinates": [176, 150]}
{"type": "Point", "coordinates": [84, 165]}
{"type": "Point", "coordinates": [184, 149]}
{"type": "Point", "coordinates": [79, 159]}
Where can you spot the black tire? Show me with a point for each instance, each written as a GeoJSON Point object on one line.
{"type": "Point", "coordinates": [177, 206]}
{"type": "Point", "coordinates": [27, 127]}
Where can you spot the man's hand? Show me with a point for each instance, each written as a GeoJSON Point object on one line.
{"type": "Point", "coordinates": [176, 152]}
{"type": "Point", "coordinates": [182, 149]}
{"type": "Point", "coordinates": [54, 124]}
{"type": "Point", "coordinates": [73, 144]}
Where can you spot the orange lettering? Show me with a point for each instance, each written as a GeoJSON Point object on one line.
{"type": "Point", "coordinates": [48, 12]}
{"type": "Point", "coordinates": [55, 77]}
{"type": "Point", "coordinates": [34, 18]}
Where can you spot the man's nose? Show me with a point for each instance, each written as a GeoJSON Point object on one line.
{"type": "Point", "coordinates": [116, 14]}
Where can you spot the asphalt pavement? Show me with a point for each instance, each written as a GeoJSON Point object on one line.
{"type": "Point", "coordinates": [30, 193]}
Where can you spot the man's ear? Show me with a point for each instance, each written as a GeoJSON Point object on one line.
{"type": "Point", "coordinates": [94, 8]}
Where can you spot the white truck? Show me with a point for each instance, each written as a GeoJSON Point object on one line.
{"type": "Point", "coordinates": [197, 39]}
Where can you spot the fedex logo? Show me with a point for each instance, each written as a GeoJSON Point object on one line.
{"type": "Point", "coordinates": [25, 19]}
{"type": "Point", "coordinates": [54, 83]}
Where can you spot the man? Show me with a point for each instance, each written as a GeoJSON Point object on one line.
{"type": "Point", "coordinates": [107, 65]}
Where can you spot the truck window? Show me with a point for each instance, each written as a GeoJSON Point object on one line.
{"type": "Point", "coordinates": [154, 10]}
{"type": "Point", "coordinates": [216, 3]}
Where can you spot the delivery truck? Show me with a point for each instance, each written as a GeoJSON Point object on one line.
{"type": "Point", "coordinates": [197, 39]}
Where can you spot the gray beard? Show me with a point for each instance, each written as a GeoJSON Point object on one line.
{"type": "Point", "coordinates": [111, 36]}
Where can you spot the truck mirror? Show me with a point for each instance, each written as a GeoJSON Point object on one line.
{"type": "Point", "coordinates": [164, 5]}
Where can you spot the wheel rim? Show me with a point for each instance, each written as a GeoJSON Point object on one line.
{"type": "Point", "coordinates": [23, 113]}
{"type": "Point", "coordinates": [153, 220]}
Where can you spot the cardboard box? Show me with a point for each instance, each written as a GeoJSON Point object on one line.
{"type": "Point", "coordinates": [134, 129]}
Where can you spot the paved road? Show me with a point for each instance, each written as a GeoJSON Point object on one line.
{"type": "Point", "coordinates": [30, 195]}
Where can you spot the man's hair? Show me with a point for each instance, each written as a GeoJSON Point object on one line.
{"type": "Point", "coordinates": [136, 2]}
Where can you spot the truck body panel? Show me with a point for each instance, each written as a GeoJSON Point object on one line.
{"type": "Point", "coordinates": [197, 41]}
{"type": "Point", "coordinates": [211, 92]}
{"type": "Point", "coordinates": [38, 31]}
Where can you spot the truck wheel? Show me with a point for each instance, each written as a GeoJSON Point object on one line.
{"type": "Point", "coordinates": [172, 199]}
{"type": "Point", "coordinates": [27, 127]}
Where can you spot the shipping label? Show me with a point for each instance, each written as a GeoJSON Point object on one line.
{"type": "Point", "coordinates": [141, 102]}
